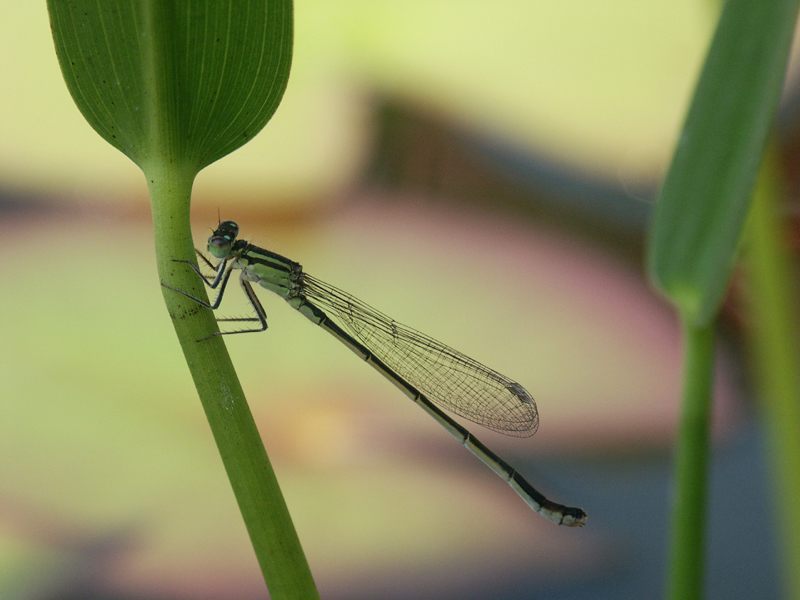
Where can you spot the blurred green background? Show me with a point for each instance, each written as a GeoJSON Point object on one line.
{"type": "Point", "coordinates": [486, 179]}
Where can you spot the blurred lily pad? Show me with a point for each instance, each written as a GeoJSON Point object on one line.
{"type": "Point", "coordinates": [104, 430]}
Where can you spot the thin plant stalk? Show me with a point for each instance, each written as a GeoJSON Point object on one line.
{"type": "Point", "coordinates": [255, 486]}
{"type": "Point", "coordinates": [774, 338]}
{"type": "Point", "coordinates": [686, 566]}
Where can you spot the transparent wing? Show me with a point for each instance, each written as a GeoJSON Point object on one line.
{"type": "Point", "coordinates": [448, 378]}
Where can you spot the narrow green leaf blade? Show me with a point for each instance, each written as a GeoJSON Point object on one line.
{"type": "Point", "coordinates": [180, 82]}
{"type": "Point", "coordinates": [705, 197]}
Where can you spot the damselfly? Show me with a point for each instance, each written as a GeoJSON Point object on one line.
{"type": "Point", "coordinates": [430, 373]}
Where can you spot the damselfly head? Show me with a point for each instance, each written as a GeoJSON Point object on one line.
{"type": "Point", "coordinates": [222, 239]}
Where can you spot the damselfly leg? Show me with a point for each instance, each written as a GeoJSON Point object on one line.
{"type": "Point", "coordinates": [223, 273]}
{"type": "Point", "coordinates": [261, 314]}
{"type": "Point", "coordinates": [211, 281]}
{"type": "Point", "coordinates": [221, 280]}
{"type": "Point", "coordinates": [202, 257]}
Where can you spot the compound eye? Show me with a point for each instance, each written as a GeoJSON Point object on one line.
{"type": "Point", "coordinates": [219, 246]}
{"type": "Point", "coordinates": [230, 228]}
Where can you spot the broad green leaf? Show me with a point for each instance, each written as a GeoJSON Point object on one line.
{"type": "Point", "coordinates": [705, 197]}
{"type": "Point", "coordinates": [179, 82]}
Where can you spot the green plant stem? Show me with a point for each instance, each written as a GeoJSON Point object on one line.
{"type": "Point", "coordinates": [255, 486]}
{"type": "Point", "coordinates": [691, 466]}
{"type": "Point", "coordinates": [774, 337]}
